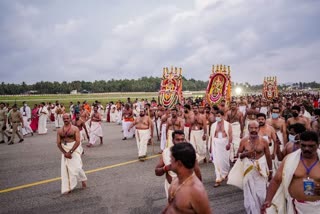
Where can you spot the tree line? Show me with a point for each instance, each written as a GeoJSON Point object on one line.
{"type": "Point", "coordinates": [143, 84]}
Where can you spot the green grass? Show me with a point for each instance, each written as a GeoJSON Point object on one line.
{"type": "Point", "coordinates": [67, 98]}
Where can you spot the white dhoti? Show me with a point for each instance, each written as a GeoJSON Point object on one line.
{"type": "Point", "coordinates": [166, 157]}
{"type": "Point", "coordinates": [71, 169]}
{"type": "Point", "coordinates": [142, 138]}
{"type": "Point", "coordinates": [42, 128]}
{"type": "Point", "coordinates": [236, 131]}
{"type": "Point", "coordinates": [58, 122]}
{"type": "Point", "coordinates": [306, 207]}
{"type": "Point", "coordinates": [220, 158]}
{"type": "Point", "coordinates": [125, 127]}
{"type": "Point", "coordinates": [113, 116]}
{"type": "Point", "coordinates": [27, 129]}
{"type": "Point", "coordinates": [254, 184]}
{"type": "Point", "coordinates": [163, 139]}
{"type": "Point", "coordinates": [169, 139]}
{"type": "Point", "coordinates": [95, 132]}
{"type": "Point", "coordinates": [186, 130]}
{"type": "Point", "coordinates": [280, 137]}
{"type": "Point", "coordinates": [198, 144]}
{"type": "Point", "coordinates": [243, 109]}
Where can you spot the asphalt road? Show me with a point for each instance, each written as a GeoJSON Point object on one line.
{"type": "Point", "coordinates": [129, 187]}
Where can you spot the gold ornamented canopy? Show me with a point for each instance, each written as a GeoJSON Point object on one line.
{"type": "Point", "coordinates": [219, 86]}
{"type": "Point", "coordinates": [171, 87]}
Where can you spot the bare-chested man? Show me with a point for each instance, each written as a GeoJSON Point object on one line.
{"type": "Point", "coordinates": [279, 126]}
{"type": "Point", "coordinates": [219, 147]}
{"type": "Point", "coordinates": [256, 159]}
{"type": "Point", "coordinates": [127, 120]}
{"type": "Point", "coordinates": [188, 117]}
{"type": "Point", "coordinates": [95, 127]}
{"type": "Point", "coordinates": [268, 133]}
{"type": "Point", "coordinates": [164, 164]}
{"type": "Point", "coordinates": [173, 123]}
{"type": "Point", "coordinates": [223, 107]}
{"type": "Point", "coordinates": [315, 124]}
{"type": "Point", "coordinates": [251, 114]}
{"type": "Point", "coordinates": [143, 131]}
{"type": "Point", "coordinates": [294, 141]}
{"type": "Point", "coordinates": [68, 141]}
{"type": "Point", "coordinates": [299, 177]}
{"type": "Point", "coordinates": [186, 193]}
{"type": "Point", "coordinates": [243, 105]}
{"type": "Point", "coordinates": [198, 133]}
{"type": "Point", "coordinates": [235, 118]}
{"type": "Point", "coordinates": [295, 110]}
{"type": "Point", "coordinates": [81, 126]}
{"type": "Point", "coordinates": [163, 126]}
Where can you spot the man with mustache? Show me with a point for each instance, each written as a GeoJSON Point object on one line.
{"type": "Point", "coordinates": [68, 142]}
{"type": "Point", "coordinates": [235, 118]}
{"type": "Point", "coordinates": [198, 133]}
{"type": "Point", "coordinates": [188, 117]}
{"type": "Point", "coordinates": [173, 123]}
{"type": "Point", "coordinates": [298, 119]}
{"type": "Point", "coordinates": [255, 155]}
{"type": "Point", "coordinates": [268, 133]}
{"type": "Point", "coordinates": [298, 179]}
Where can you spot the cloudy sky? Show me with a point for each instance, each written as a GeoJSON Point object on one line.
{"type": "Point", "coordinates": [57, 40]}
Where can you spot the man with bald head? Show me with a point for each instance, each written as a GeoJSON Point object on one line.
{"type": "Point", "coordinates": [68, 141]}
{"type": "Point", "coordinates": [257, 165]}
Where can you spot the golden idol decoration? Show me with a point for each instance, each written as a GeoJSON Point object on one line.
{"type": "Point", "coordinates": [270, 88]}
{"type": "Point", "coordinates": [171, 87]}
{"type": "Point", "coordinates": [219, 86]}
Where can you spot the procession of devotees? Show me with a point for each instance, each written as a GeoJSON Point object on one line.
{"type": "Point", "coordinates": [268, 148]}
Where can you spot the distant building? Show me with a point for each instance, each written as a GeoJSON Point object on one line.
{"type": "Point", "coordinates": [74, 92]}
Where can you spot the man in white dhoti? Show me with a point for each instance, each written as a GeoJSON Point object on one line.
{"type": "Point", "coordinates": [257, 166]}
{"type": "Point", "coordinates": [68, 141]}
{"type": "Point", "coordinates": [219, 147]}
{"type": "Point", "coordinates": [268, 133]}
{"type": "Point", "coordinates": [164, 164]}
{"type": "Point", "coordinates": [127, 120]}
{"type": "Point", "coordinates": [163, 125]}
{"type": "Point", "coordinates": [198, 133]}
{"type": "Point", "coordinates": [235, 118]}
{"type": "Point", "coordinates": [95, 127]}
{"type": "Point", "coordinates": [58, 113]}
{"type": "Point", "coordinates": [143, 133]}
{"type": "Point", "coordinates": [26, 115]}
{"type": "Point", "coordinates": [43, 116]}
{"type": "Point", "coordinates": [297, 180]}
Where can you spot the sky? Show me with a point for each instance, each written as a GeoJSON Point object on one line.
{"type": "Point", "coordinates": [59, 40]}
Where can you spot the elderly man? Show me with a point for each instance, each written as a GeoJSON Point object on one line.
{"type": "Point", "coordinates": [186, 193]}
{"type": "Point", "coordinates": [256, 159]}
{"type": "Point", "coordinates": [68, 141]}
{"type": "Point", "coordinates": [297, 179]}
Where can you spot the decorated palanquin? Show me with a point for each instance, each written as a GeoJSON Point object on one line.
{"type": "Point", "coordinates": [219, 86]}
{"type": "Point", "coordinates": [171, 87]}
{"type": "Point", "coordinates": [270, 88]}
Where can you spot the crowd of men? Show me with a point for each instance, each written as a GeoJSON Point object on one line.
{"type": "Point", "coordinates": [273, 144]}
